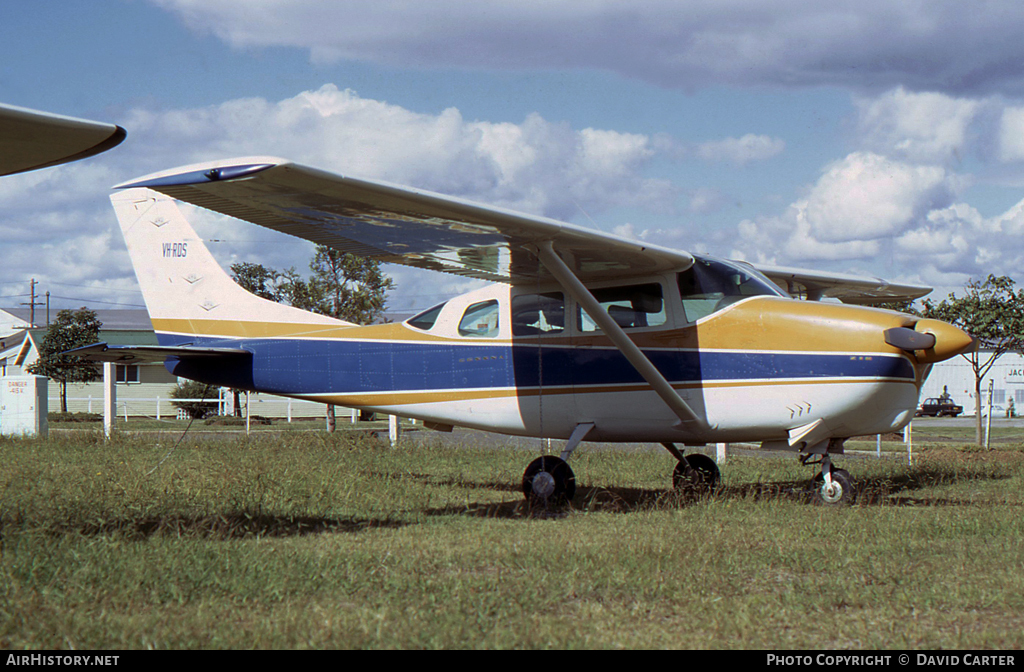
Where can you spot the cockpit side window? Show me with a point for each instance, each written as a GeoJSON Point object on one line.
{"type": "Point", "coordinates": [427, 318]}
{"type": "Point", "coordinates": [480, 320]}
{"type": "Point", "coordinates": [535, 314]}
{"type": "Point", "coordinates": [710, 285]}
{"type": "Point", "coordinates": [631, 306]}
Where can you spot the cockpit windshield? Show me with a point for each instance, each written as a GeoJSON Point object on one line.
{"type": "Point", "coordinates": [712, 284]}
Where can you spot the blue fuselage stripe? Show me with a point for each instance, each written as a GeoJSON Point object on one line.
{"type": "Point", "coordinates": [312, 366]}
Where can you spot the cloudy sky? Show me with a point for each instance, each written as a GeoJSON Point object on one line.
{"type": "Point", "coordinates": [861, 136]}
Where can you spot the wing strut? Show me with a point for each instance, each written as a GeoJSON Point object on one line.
{"type": "Point", "coordinates": [572, 285]}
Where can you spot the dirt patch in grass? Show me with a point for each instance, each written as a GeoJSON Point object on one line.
{"type": "Point", "coordinates": [975, 455]}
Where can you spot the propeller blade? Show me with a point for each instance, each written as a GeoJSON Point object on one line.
{"type": "Point", "coordinates": [908, 339]}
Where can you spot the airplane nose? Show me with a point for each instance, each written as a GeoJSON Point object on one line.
{"type": "Point", "coordinates": [949, 341]}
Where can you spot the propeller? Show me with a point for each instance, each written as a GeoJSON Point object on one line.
{"type": "Point", "coordinates": [908, 339]}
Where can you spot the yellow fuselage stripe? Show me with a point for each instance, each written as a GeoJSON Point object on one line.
{"type": "Point", "coordinates": [761, 324]}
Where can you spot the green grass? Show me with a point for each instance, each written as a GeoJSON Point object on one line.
{"type": "Point", "coordinates": [310, 540]}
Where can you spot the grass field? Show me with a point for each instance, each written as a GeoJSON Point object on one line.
{"type": "Point", "coordinates": [304, 540]}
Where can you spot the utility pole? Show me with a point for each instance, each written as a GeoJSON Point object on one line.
{"type": "Point", "coordinates": [33, 303]}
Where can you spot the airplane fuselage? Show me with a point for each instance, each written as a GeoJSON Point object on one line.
{"type": "Point", "coordinates": [756, 369]}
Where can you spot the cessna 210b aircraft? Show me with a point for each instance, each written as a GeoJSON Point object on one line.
{"type": "Point", "coordinates": [583, 335]}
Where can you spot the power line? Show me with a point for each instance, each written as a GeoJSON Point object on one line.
{"type": "Point", "coordinates": [112, 303]}
{"type": "Point", "coordinates": [104, 288]}
{"type": "Point", "coordinates": [98, 287]}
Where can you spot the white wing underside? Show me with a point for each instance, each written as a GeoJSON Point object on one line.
{"type": "Point", "coordinates": [396, 224]}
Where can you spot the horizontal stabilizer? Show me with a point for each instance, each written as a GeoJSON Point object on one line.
{"type": "Point", "coordinates": [140, 354]}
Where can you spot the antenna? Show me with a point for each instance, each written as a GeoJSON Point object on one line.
{"type": "Point", "coordinates": [585, 213]}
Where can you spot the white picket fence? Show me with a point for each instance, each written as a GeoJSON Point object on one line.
{"type": "Point", "coordinates": [162, 408]}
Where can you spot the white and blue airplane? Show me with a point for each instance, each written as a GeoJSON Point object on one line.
{"type": "Point", "coordinates": [582, 335]}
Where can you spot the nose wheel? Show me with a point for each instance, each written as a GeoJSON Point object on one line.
{"type": "Point", "coordinates": [838, 492]}
{"type": "Point", "coordinates": [833, 487]}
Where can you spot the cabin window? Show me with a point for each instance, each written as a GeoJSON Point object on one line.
{"type": "Point", "coordinates": [126, 373]}
{"type": "Point", "coordinates": [709, 285]}
{"type": "Point", "coordinates": [631, 306]}
{"type": "Point", "coordinates": [427, 318]}
{"type": "Point", "coordinates": [480, 320]}
{"type": "Point", "coordinates": [534, 314]}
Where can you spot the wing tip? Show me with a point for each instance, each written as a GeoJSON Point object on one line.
{"type": "Point", "coordinates": [204, 173]}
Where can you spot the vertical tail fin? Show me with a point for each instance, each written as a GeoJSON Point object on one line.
{"type": "Point", "coordinates": [185, 289]}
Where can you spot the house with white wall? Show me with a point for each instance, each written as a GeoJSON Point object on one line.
{"type": "Point", "coordinates": [956, 376]}
{"type": "Point", "coordinates": [143, 390]}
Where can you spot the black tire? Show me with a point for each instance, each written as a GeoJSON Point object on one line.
{"type": "Point", "coordinates": [842, 489]}
{"type": "Point", "coordinates": [696, 473]}
{"type": "Point", "coordinates": [549, 480]}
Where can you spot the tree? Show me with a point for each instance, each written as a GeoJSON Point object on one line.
{"type": "Point", "coordinates": [908, 307]}
{"type": "Point", "coordinates": [342, 285]}
{"type": "Point", "coordinates": [993, 313]}
{"type": "Point", "coordinates": [258, 279]}
{"type": "Point", "coordinates": [348, 286]}
{"type": "Point", "coordinates": [192, 390]}
{"type": "Point", "coordinates": [72, 329]}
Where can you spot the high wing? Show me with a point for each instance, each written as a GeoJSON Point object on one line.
{"type": "Point", "coordinates": [855, 289]}
{"type": "Point", "coordinates": [401, 225]}
{"type": "Point", "coordinates": [136, 354]}
{"type": "Point", "coordinates": [30, 139]}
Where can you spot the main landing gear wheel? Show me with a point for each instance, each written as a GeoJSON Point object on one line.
{"type": "Point", "coordinates": [841, 491]}
{"type": "Point", "coordinates": [696, 473]}
{"type": "Point", "coordinates": [549, 479]}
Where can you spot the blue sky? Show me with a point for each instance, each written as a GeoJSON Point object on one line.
{"type": "Point", "coordinates": [863, 136]}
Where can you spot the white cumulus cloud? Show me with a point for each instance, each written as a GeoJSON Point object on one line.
{"type": "Point", "coordinates": [921, 127]}
{"type": "Point", "coordinates": [1011, 135]}
{"type": "Point", "coordinates": [537, 166]}
{"type": "Point", "coordinates": [741, 151]}
{"type": "Point", "coordinates": [867, 196]}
